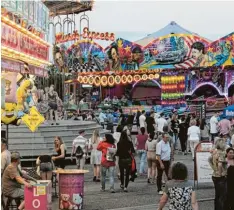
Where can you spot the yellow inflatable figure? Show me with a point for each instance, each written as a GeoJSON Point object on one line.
{"type": "Point", "coordinates": [21, 94]}
{"type": "Point", "coordinates": [9, 115]}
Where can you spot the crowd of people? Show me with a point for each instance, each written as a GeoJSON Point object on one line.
{"type": "Point", "coordinates": [155, 145]}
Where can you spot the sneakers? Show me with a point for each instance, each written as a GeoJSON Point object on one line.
{"type": "Point", "coordinates": [148, 181]}
{"type": "Point", "coordinates": [112, 191]}
{"type": "Point", "coordinates": [160, 192]}
{"type": "Point", "coordinates": [94, 178]}
{"type": "Point", "coordinates": [121, 186]}
{"type": "Point", "coordinates": [125, 189]}
{"type": "Point", "coordinates": [102, 190]}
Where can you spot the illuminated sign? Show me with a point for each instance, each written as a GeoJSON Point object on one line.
{"type": "Point", "coordinates": [61, 37]}
{"type": "Point", "coordinates": [14, 39]}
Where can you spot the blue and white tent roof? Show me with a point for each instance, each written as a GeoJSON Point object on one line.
{"type": "Point", "coordinates": [171, 28]}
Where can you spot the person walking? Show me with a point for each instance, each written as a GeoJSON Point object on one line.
{"type": "Point", "coordinates": [96, 155]}
{"type": "Point", "coordinates": [110, 121]}
{"type": "Point", "coordinates": [142, 119]}
{"type": "Point", "coordinates": [175, 129]}
{"type": "Point", "coordinates": [179, 190]}
{"type": "Point", "coordinates": [141, 139]}
{"type": "Point", "coordinates": [130, 120]}
{"type": "Point", "coordinates": [150, 147]}
{"type": "Point", "coordinates": [60, 148]}
{"type": "Point", "coordinates": [150, 122]}
{"type": "Point", "coordinates": [138, 119]}
{"type": "Point", "coordinates": [214, 126]}
{"type": "Point", "coordinates": [108, 149]}
{"type": "Point", "coordinates": [230, 180]}
{"type": "Point", "coordinates": [124, 150]}
{"type": "Point", "coordinates": [204, 128]}
{"type": "Point", "coordinates": [163, 154]}
{"type": "Point", "coordinates": [80, 149]}
{"type": "Point", "coordinates": [183, 130]}
{"type": "Point", "coordinates": [102, 118]}
{"type": "Point", "coordinates": [224, 126]}
{"type": "Point", "coordinates": [161, 122]}
{"type": "Point", "coordinates": [45, 166]}
{"type": "Point", "coordinates": [193, 136]}
{"type": "Point", "coordinates": [217, 162]}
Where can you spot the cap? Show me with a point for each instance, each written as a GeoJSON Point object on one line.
{"type": "Point", "coordinates": [15, 155]}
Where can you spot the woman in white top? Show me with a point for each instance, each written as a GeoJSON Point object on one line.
{"type": "Point", "coordinates": [193, 136]}
{"type": "Point", "coordinates": [96, 155]}
{"type": "Point", "coordinates": [150, 147]}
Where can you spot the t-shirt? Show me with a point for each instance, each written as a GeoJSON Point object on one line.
{"type": "Point", "coordinates": [194, 133]}
{"type": "Point", "coordinates": [213, 124]}
{"type": "Point", "coordinates": [102, 117]}
{"type": "Point", "coordinates": [141, 140]}
{"type": "Point", "coordinates": [151, 145]}
{"type": "Point", "coordinates": [79, 141]}
{"type": "Point", "coordinates": [179, 194]}
{"type": "Point", "coordinates": [9, 183]}
{"type": "Point", "coordinates": [142, 119]}
{"type": "Point", "coordinates": [161, 122]}
{"type": "Point", "coordinates": [175, 126]}
{"type": "Point", "coordinates": [164, 150]}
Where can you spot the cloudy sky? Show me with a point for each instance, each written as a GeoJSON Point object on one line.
{"type": "Point", "coordinates": [133, 20]}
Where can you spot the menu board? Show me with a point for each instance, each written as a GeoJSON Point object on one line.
{"type": "Point", "coordinates": [204, 171]}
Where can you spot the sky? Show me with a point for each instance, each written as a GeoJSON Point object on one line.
{"type": "Point", "coordinates": [133, 20]}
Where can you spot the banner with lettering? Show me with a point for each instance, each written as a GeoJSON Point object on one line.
{"type": "Point", "coordinates": [12, 38]}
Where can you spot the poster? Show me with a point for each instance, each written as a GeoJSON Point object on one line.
{"type": "Point", "coordinates": [10, 86]}
{"type": "Point", "coordinates": [204, 171]}
{"type": "Point", "coordinates": [71, 189]}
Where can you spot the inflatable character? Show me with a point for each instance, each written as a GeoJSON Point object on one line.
{"type": "Point", "coordinates": [9, 115]}
{"type": "Point", "coordinates": [21, 95]}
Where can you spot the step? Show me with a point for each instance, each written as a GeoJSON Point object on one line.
{"type": "Point", "coordinates": [34, 146]}
{"type": "Point", "coordinates": [34, 152]}
{"type": "Point", "coordinates": [28, 140]}
{"type": "Point", "coordinates": [24, 134]}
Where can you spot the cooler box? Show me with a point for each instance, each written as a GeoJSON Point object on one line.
{"type": "Point", "coordinates": [39, 197]}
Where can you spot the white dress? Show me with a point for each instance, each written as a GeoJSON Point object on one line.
{"type": "Point", "coordinates": [96, 155]}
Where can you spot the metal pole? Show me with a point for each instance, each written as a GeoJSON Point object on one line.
{"type": "Point", "coordinates": [7, 134]}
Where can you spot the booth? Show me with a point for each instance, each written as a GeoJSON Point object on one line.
{"type": "Point", "coordinates": [71, 188]}
{"type": "Point", "coordinates": [39, 197]}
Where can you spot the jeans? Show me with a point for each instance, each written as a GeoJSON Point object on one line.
{"type": "Point", "coordinates": [142, 156]}
{"type": "Point", "coordinates": [111, 176]}
{"type": "Point", "coordinates": [175, 139]}
{"type": "Point", "coordinates": [125, 168]}
{"type": "Point", "coordinates": [160, 173]}
{"type": "Point", "coordinates": [220, 184]}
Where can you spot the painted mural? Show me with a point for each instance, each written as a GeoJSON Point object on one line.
{"type": "Point", "coordinates": [175, 51]}
{"type": "Point", "coordinates": [123, 55]}
{"type": "Point", "coordinates": [82, 56]}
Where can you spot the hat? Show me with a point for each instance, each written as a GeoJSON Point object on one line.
{"type": "Point", "coordinates": [81, 131]}
{"type": "Point", "coordinates": [15, 155]}
{"type": "Point", "coordinates": [3, 141]}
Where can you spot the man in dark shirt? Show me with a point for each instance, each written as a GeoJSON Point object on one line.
{"type": "Point", "coordinates": [130, 120]}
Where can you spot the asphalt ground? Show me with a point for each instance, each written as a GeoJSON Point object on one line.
{"type": "Point", "coordinates": [141, 195]}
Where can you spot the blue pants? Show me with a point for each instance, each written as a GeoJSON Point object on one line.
{"type": "Point", "coordinates": [142, 157]}
{"type": "Point", "coordinates": [111, 176]}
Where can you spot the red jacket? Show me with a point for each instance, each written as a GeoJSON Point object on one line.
{"type": "Point", "coordinates": [102, 146]}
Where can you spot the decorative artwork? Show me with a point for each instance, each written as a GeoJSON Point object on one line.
{"type": "Point", "coordinates": [175, 51]}
{"type": "Point", "coordinates": [123, 55]}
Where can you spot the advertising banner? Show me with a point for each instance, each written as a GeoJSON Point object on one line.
{"type": "Point", "coordinates": [16, 40]}
{"type": "Point", "coordinates": [10, 86]}
{"type": "Point", "coordinates": [71, 190]}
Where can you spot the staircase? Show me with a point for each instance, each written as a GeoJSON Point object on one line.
{"type": "Point", "coordinates": [31, 145]}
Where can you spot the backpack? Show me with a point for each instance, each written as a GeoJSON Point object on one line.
{"type": "Point", "coordinates": [110, 154]}
{"type": "Point", "coordinates": [79, 152]}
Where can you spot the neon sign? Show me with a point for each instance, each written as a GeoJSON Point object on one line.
{"type": "Point", "coordinates": [61, 37]}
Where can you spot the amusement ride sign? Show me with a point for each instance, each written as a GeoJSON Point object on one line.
{"type": "Point", "coordinates": [61, 37]}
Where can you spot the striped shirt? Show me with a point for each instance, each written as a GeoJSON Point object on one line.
{"type": "Point", "coordinates": [79, 141]}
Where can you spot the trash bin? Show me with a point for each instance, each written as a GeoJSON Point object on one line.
{"type": "Point", "coordinates": [71, 188]}
{"type": "Point", "coordinates": [39, 196]}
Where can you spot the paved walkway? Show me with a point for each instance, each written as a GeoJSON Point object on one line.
{"type": "Point", "coordinates": [141, 195]}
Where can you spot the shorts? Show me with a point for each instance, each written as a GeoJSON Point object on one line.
{"type": "Point", "coordinates": [17, 193]}
{"type": "Point", "coordinates": [151, 158]}
{"type": "Point", "coordinates": [45, 167]}
{"type": "Point", "coordinates": [53, 106]}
